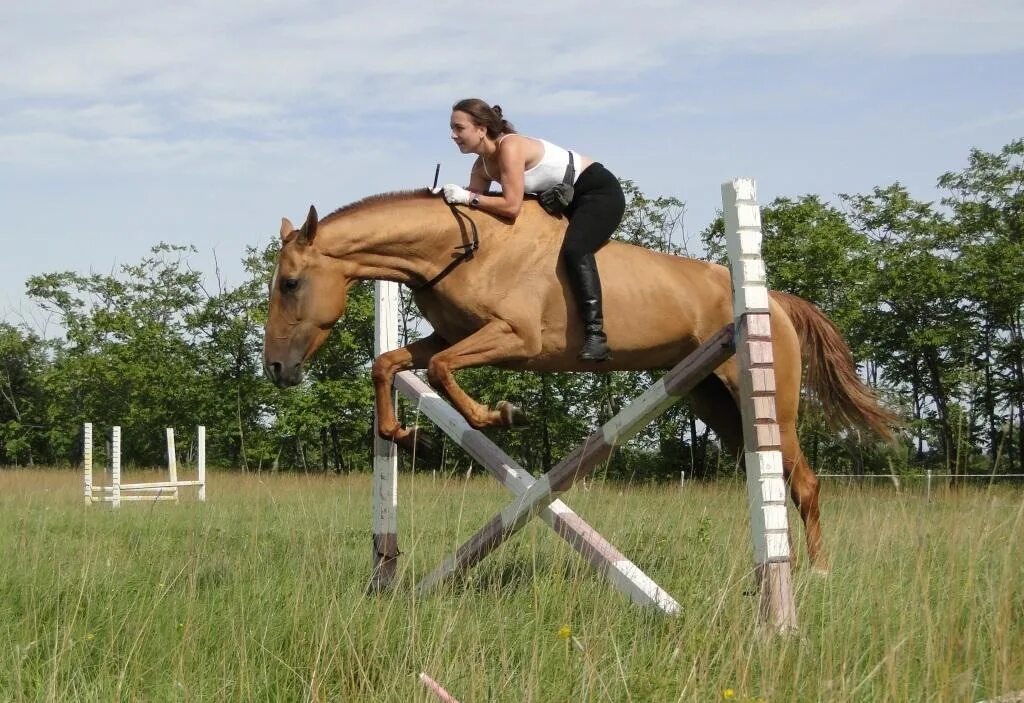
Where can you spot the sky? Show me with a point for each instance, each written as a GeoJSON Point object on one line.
{"type": "Point", "coordinates": [126, 124]}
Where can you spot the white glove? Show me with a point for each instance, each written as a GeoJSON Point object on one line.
{"type": "Point", "coordinates": [453, 194]}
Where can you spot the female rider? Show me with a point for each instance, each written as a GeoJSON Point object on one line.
{"type": "Point", "coordinates": [524, 164]}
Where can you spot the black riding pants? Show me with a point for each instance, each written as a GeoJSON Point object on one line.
{"type": "Point", "coordinates": [594, 213]}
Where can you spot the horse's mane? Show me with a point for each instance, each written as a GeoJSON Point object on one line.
{"type": "Point", "coordinates": [392, 196]}
{"type": "Point", "coordinates": [376, 199]}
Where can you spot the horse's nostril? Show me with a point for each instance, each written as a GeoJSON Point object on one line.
{"type": "Point", "coordinates": [274, 370]}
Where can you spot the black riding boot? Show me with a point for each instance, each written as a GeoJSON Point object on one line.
{"type": "Point", "coordinates": [587, 285]}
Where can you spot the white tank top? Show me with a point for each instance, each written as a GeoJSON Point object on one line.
{"type": "Point", "coordinates": [549, 171]}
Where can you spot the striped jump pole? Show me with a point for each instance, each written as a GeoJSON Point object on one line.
{"type": "Point", "coordinates": [385, 453]}
{"type": "Point", "coordinates": [628, 422]}
{"type": "Point", "coordinates": [766, 487]}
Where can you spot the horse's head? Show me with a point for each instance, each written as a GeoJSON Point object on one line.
{"type": "Point", "coordinates": [307, 296]}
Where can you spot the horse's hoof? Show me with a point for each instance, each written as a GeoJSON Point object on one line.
{"type": "Point", "coordinates": [511, 415]}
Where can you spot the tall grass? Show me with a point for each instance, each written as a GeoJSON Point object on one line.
{"type": "Point", "coordinates": [258, 595]}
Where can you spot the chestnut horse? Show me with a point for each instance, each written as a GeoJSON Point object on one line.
{"type": "Point", "coordinates": [508, 304]}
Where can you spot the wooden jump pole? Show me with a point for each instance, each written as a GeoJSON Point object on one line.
{"type": "Point", "coordinates": [596, 448]}
{"type": "Point", "coordinates": [766, 487]}
{"type": "Point", "coordinates": [623, 574]}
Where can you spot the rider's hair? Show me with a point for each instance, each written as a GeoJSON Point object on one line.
{"type": "Point", "coordinates": [483, 115]}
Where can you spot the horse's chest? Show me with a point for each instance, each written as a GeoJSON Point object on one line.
{"type": "Point", "coordinates": [451, 321]}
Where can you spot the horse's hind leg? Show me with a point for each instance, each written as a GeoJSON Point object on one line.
{"type": "Point", "coordinates": [716, 406]}
{"type": "Point", "coordinates": [804, 489]}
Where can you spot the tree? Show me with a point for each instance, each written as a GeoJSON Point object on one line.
{"type": "Point", "coordinates": [921, 325]}
{"type": "Point", "coordinates": [126, 358]}
{"type": "Point", "coordinates": [23, 366]}
{"type": "Point", "coordinates": [987, 201]}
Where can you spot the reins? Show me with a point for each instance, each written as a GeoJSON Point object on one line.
{"type": "Point", "coordinates": [465, 250]}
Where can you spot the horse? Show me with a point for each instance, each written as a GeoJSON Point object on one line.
{"type": "Point", "coordinates": [496, 293]}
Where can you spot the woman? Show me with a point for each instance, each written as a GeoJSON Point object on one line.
{"type": "Point", "coordinates": [526, 165]}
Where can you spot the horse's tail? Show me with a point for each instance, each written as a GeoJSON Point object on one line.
{"type": "Point", "coordinates": [831, 373]}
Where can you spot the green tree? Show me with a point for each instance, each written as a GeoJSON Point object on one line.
{"type": "Point", "coordinates": [126, 358]}
{"type": "Point", "coordinates": [23, 366]}
{"type": "Point", "coordinates": [921, 324]}
{"type": "Point", "coordinates": [987, 202]}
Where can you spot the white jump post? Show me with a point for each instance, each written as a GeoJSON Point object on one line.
{"type": "Point", "coordinates": [172, 461]}
{"type": "Point", "coordinates": [87, 460]}
{"type": "Point", "coordinates": [118, 492]}
{"type": "Point", "coordinates": [115, 467]}
{"type": "Point", "coordinates": [385, 453]}
{"type": "Point", "coordinates": [201, 462]}
{"type": "Point", "coordinates": [766, 487]}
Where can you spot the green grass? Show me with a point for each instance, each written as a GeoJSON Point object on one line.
{"type": "Point", "coordinates": [258, 595]}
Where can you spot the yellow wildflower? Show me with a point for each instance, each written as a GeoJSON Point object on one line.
{"type": "Point", "coordinates": [564, 632]}
{"type": "Point", "coordinates": [728, 694]}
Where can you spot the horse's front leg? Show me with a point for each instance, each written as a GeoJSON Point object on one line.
{"type": "Point", "coordinates": [385, 366]}
{"type": "Point", "coordinates": [494, 343]}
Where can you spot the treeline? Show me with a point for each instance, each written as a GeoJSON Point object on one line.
{"type": "Point", "coordinates": [929, 295]}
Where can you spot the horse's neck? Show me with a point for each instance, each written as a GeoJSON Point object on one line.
{"type": "Point", "coordinates": [403, 242]}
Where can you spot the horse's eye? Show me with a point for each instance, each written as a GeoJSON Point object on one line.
{"type": "Point", "coordinates": [289, 284]}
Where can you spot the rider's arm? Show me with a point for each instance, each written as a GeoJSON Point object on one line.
{"type": "Point", "coordinates": [479, 181]}
{"type": "Point", "coordinates": [512, 158]}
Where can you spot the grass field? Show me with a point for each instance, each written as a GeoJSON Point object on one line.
{"type": "Point", "coordinates": [258, 595]}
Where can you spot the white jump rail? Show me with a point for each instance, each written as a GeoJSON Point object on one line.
{"type": "Point", "coordinates": [118, 492]}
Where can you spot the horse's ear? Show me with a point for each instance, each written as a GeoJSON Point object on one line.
{"type": "Point", "coordinates": [308, 230]}
{"type": "Point", "coordinates": [286, 228]}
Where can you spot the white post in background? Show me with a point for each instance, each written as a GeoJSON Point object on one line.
{"type": "Point", "coordinates": [385, 454]}
{"type": "Point", "coordinates": [766, 487]}
{"type": "Point", "coordinates": [115, 467]}
{"type": "Point", "coordinates": [172, 461]}
{"type": "Point", "coordinates": [201, 461]}
{"type": "Point", "coordinates": [87, 460]}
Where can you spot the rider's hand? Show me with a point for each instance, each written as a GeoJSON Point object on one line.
{"type": "Point", "coordinates": [455, 195]}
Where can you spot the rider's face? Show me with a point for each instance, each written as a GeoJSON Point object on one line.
{"type": "Point", "coordinates": [466, 135]}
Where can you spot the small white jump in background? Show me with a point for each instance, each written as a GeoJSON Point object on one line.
{"type": "Point", "coordinates": [117, 491]}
